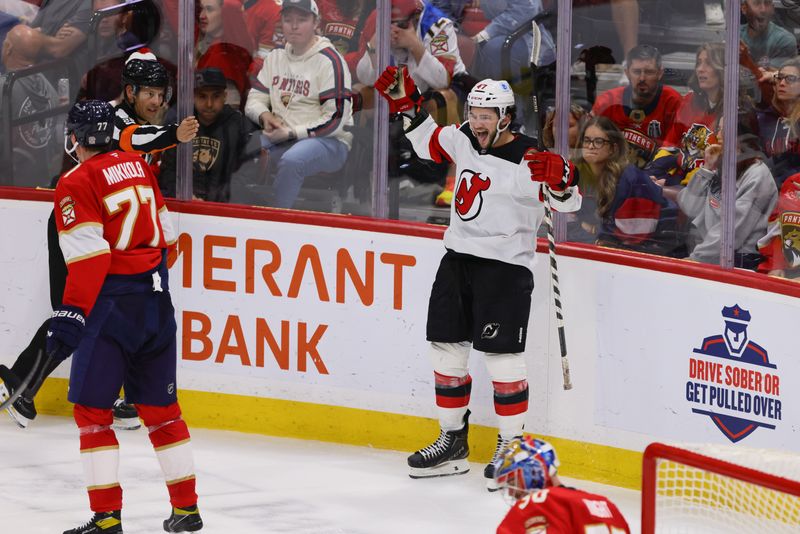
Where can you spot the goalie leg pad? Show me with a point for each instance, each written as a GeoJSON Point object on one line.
{"type": "Point", "coordinates": [452, 381]}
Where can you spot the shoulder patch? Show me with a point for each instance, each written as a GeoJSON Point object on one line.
{"type": "Point", "coordinates": [67, 207]}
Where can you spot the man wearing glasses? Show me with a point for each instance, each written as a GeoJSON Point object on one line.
{"type": "Point", "coordinates": [645, 108]}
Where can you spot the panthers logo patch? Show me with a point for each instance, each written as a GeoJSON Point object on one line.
{"type": "Point", "coordinates": [790, 234]}
{"type": "Point", "coordinates": [67, 206]}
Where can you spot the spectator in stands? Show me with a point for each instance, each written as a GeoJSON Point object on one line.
{"type": "Point", "coordinates": [423, 40]}
{"type": "Point", "coordinates": [756, 196]}
{"type": "Point", "coordinates": [63, 26]}
{"type": "Point", "coordinates": [263, 19]}
{"type": "Point", "coordinates": [624, 14]}
{"type": "Point", "coordinates": [644, 109]}
{"type": "Point", "coordinates": [780, 247]}
{"type": "Point", "coordinates": [695, 121]}
{"type": "Point", "coordinates": [37, 146]}
{"type": "Point", "coordinates": [769, 44]}
{"type": "Point", "coordinates": [219, 147]}
{"type": "Point", "coordinates": [104, 80]}
{"type": "Point", "coordinates": [778, 123]}
{"type": "Point", "coordinates": [344, 23]}
{"type": "Point", "coordinates": [577, 114]}
{"type": "Point", "coordinates": [301, 101]}
{"type": "Point", "coordinates": [630, 210]}
{"type": "Point", "coordinates": [504, 17]}
{"type": "Point", "coordinates": [226, 44]}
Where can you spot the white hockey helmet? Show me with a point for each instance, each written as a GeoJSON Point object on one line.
{"type": "Point", "coordinates": [490, 93]}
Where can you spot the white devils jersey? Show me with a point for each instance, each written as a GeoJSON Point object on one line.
{"type": "Point", "coordinates": [496, 210]}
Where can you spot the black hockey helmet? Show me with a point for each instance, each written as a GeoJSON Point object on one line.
{"type": "Point", "coordinates": [142, 69]}
{"type": "Point", "coordinates": [92, 123]}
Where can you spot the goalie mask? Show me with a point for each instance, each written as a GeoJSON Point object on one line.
{"type": "Point", "coordinates": [496, 94]}
{"type": "Point", "coordinates": [92, 124]}
{"type": "Point", "coordinates": [527, 465]}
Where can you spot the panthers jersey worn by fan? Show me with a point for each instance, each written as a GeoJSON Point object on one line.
{"type": "Point", "coordinates": [496, 210]}
{"type": "Point", "coordinates": [111, 219]}
{"type": "Point", "coordinates": [563, 510]}
{"type": "Point", "coordinates": [644, 128]}
{"type": "Point", "coordinates": [441, 59]}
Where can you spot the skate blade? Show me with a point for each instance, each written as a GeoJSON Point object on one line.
{"type": "Point", "coordinates": [454, 467]}
{"type": "Point", "coordinates": [131, 423]}
{"type": "Point", "coordinates": [18, 418]}
{"type": "Point", "coordinates": [491, 485]}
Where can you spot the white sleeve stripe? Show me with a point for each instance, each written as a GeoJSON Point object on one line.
{"type": "Point", "coordinates": [79, 226]}
{"type": "Point", "coordinates": [166, 226]}
{"type": "Point", "coordinates": [83, 242]}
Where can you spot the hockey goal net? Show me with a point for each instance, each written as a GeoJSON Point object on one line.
{"type": "Point", "coordinates": [713, 488]}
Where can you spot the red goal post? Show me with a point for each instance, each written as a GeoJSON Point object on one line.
{"type": "Point", "coordinates": [697, 491]}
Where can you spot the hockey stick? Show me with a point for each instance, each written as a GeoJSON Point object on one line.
{"type": "Point", "coordinates": [548, 210]}
{"type": "Point", "coordinates": [35, 371]}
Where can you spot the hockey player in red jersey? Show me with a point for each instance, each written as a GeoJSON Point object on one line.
{"type": "Point", "coordinates": [117, 319]}
{"type": "Point", "coordinates": [645, 109]}
{"type": "Point", "coordinates": [481, 297]}
{"type": "Point", "coordinates": [526, 472]}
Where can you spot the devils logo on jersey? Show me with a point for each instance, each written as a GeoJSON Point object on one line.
{"type": "Point", "coordinates": [469, 194]}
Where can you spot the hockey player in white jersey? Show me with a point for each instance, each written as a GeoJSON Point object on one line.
{"type": "Point", "coordinates": [481, 296]}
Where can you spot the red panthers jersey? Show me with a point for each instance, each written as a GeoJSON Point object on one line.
{"type": "Point", "coordinates": [644, 128]}
{"type": "Point", "coordinates": [111, 219]}
{"type": "Point", "coordinates": [691, 113]}
{"type": "Point", "coordinates": [562, 510]}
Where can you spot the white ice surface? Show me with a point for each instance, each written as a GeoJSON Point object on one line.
{"type": "Point", "coordinates": [250, 484]}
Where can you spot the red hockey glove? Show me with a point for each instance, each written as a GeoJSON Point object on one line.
{"type": "Point", "coordinates": [397, 87]}
{"type": "Point", "coordinates": [551, 169]}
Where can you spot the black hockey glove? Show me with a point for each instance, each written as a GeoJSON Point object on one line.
{"type": "Point", "coordinates": [64, 332]}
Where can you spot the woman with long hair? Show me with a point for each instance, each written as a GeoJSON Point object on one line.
{"type": "Point", "coordinates": [778, 125]}
{"type": "Point", "coordinates": [630, 210]}
{"type": "Point", "coordinates": [695, 121]}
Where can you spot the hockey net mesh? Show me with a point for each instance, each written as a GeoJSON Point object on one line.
{"type": "Point", "coordinates": [712, 499]}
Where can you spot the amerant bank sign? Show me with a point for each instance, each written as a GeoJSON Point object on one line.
{"type": "Point", "coordinates": [732, 381]}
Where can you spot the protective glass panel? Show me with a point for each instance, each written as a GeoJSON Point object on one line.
{"type": "Point", "coordinates": [767, 210]}
{"type": "Point", "coordinates": [647, 96]}
{"type": "Point", "coordinates": [54, 53]}
{"type": "Point", "coordinates": [463, 42]}
{"type": "Point", "coordinates": [309, 144]}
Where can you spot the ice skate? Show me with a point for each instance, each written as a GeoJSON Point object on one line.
{"type": "Point", "coordinates": [445, 456]}
{"type": "Point", "coordinates": [125, 416]}
{"type": "Point", "coordinates": [101, 523]}
{"type": "Point", "coordinates": [184, 520]}
{"type": "Point", "coordinates": [22, 411]}
{"type": "Point", "coordinates": [488, 471]}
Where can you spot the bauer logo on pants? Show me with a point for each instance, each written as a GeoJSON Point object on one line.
{"type": "Point", "coordinates": [732, 382]}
